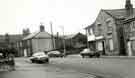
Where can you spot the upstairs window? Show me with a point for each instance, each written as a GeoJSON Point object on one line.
{"type": "Point", "coordinates": [90, 31]}
{"type": "Point", "coordinates": [109, 23]}
{"type": "Point", "coordinates": [99, 28]}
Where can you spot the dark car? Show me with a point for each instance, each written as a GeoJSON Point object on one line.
{"type": "Point", "coordinates": [39, 57]}
{"type": "Point", "coordinates": [89, 53]}
{"type": "Point", "coordinates": [55, 54]}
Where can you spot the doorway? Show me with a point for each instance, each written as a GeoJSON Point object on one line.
{"type": "Point", "coordinates": [129, 48]}
{"type": "Point", "coordinates": [103, 52]}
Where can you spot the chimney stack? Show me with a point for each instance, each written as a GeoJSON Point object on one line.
{"type": "Point", "coordinates": [26, 32]}
{"type": "Point", "coordinates": [42, 29]}
{"type": "Point", "coordinates": [129, 8]}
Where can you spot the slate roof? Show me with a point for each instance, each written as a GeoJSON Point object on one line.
{"type": "Point", "coordinates": [37, 35]}
{"type": "Point", "coordinates": [13, 38]}
{"type": "Point", "coordinates": [72, 35]}
{"type": "Point", "coordinates": [93, 24]}
{"type": "Point", "coordinates": [118, 12]}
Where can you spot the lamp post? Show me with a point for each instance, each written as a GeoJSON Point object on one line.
{"type": "Point", "coordinates": [62, 27]}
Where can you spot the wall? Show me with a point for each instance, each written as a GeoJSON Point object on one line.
{"type": "Point", "coordinates": [41, 45]}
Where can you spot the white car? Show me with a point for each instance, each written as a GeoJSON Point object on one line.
{"type": "Point", "coordinates": [39, 57]}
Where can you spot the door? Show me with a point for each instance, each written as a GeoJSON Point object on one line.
{"type": "Point", "coordinates": [25, 52]}
{"type": "Point", "coordinates": [103, 42]}
{"type": "Point", "coordinates": [129, 48]}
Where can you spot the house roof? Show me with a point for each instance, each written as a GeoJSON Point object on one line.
{"type": "Point", "coordinates": [37, 35]}
{"type": "Point", "coordinates": [72, 35]}
{"type": "Point", "coordinates": [118, 12]}
{"type": "Point", "coordinates": [89, 26]}
{"type": "Point", "coordinates": [13, 38]}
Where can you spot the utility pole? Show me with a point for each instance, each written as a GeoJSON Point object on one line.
{"type": "Point", "coordinates": [53, 44]}
{"type": "Point", "coordinates": [64, 40]}
{"type": "Point", "coordinates": [87, 38]}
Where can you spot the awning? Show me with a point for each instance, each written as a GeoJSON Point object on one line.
{"type": "Point", "coordinates": [99, 37]}
{"type": "Point", "coordinates": [132, 38]}
{"type": "Point", "coordinates": [93, 38]}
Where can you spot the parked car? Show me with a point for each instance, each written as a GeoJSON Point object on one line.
{"type": "Point", "coordinates": [89, 53]}
{"type": "Point", "coordinates": [39, 57]}
{"type": "Point", "coordinates": [55, 54]}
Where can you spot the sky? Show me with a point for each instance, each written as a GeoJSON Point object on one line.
{"type": "Point", "coordinates": [72, 15]}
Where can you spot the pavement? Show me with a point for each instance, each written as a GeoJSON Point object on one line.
{"type": "Point", "coordinates": [106, 57]}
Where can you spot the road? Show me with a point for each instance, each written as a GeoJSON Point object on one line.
{"type": "Point", "coordinates": [102, 67]}
{"type": "Point", "coordinates": [26, 69]}
{"type": "Point", "coordinates": [74, 67]}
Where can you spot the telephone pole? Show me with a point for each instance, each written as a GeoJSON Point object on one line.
{"type": "Point", "coordinates": [53, 44]}
{"type": "Point", "coordinates": [62, 27]}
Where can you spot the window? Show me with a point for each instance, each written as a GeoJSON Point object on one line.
{"type": "Point", "coordinates": [109, 23]}
{"type": "Point", "coordinates": [100, 46]}
{"type": "Point", "coordinates": [20, 44]}
{"type": "Point", "coordinates": [132, 26]}
{"type": "Point", "coordinates": [90, 31]}
{"type": "Point", "coordinates": [111, 44]}
{"type": "Point", "coordinates": [98, 24]}
{"type": "Point", "coordinates": [99, 29]}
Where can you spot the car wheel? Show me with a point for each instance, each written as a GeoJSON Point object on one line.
{"type": "Point", "coordinates": [47, 60]}
{"type": "Point", "coordinates": [82, 56]}
{"type": "Point", "coordinates": [32, 61]}
{"type": "Point", "coordinates": [90, 56]}
{"type": "Point", "coordinates": [98, 56]}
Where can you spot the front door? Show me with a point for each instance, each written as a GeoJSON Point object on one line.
{"type": "Point", "coordinates": [129, 48]}
{"type": "Point", "coordinates": [103, 42]}
{"type": "Point", "coordinates": [122, 46]}
{"type": "Point", "coordinates": [25, 52]}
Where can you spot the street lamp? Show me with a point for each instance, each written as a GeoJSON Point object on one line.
{"type": "Point", "coordinates": [62, 27]}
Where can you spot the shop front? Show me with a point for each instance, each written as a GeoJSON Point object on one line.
{"type": "Point", "coordinates": [100, 44]}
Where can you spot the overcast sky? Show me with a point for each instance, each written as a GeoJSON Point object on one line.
{"type": "Point", "coordinates": [74, 15]}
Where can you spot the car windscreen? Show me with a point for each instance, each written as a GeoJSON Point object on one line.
{"type": "Point", "coordinates": [54, 52]}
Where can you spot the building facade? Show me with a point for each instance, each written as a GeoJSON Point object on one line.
{"type": "Point", "coordinates": [106, 35]}
{"type": "Point", "coordinates": [36, 42]}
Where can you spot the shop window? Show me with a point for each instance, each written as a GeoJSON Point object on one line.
{"type": "Point", "coordinates": [100, 46]}
{"type": "Point", "coordinates": [111, 44]}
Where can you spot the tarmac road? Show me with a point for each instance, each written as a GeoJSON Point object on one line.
{"type": "Point", "coordinates": [26, 69]}
{"type": "Point", "coordinates": [74, 67]}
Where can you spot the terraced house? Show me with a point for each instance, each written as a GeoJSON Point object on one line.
{"type": "Point", "coordinates": [112, 32]}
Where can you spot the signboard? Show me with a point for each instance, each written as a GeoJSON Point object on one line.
{"type": "Point", "coordinates": [91, 38]}
{"type": "Point", "coordinates": [99, 37]}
